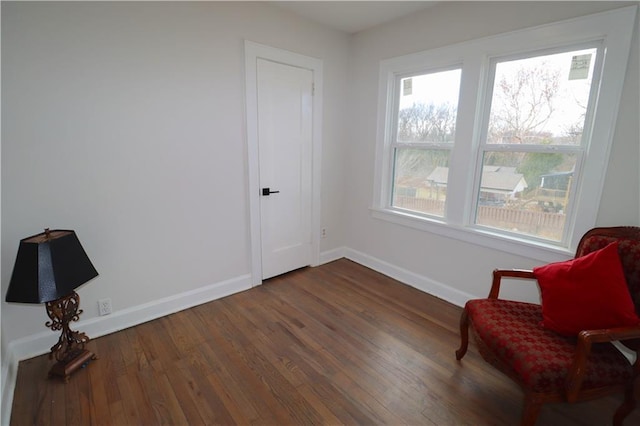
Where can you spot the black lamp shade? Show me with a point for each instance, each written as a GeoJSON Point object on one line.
{"type": "Point", "coordinates": [49, 266]}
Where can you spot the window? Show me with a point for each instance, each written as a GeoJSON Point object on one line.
{"type": "Point", "coordinates": [534, 142]}
{"type": "Point", "coordinates": [501, 141]}
{"type": "Point", "coordinates": [423, 139]}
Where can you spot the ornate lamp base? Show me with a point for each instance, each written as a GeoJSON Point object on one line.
{"type": "Point", "coordinates": [66, 369]}
{"type": "Point", "coordinates": [69, 352]}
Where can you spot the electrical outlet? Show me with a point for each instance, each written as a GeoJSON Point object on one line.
{"type": "Point", "coordinates": [104, 306]}
{"type": "Point", "coordinates": [323, 233]}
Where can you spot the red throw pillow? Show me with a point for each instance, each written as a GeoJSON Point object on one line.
{"type": "Point", "coordinates": [586, 293]}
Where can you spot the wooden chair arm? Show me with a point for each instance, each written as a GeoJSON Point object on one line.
{"type": "Point", "coordinates": [611, 334]}
{"type": "Point", "coordinates": [583, 348]}
{"type": "Point", "coordinates": [508, 273]}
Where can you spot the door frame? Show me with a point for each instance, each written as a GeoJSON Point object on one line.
{"type": "Point", "coordinates": [253, 51]}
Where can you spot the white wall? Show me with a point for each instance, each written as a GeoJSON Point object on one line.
{"type": "Point", "coordinates": [437, 260]}
{"type": "Point", "coordinates": [126, 123]}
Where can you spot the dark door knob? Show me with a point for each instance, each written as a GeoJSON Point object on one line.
{"type": "Point", "coordinates": [267, 191]}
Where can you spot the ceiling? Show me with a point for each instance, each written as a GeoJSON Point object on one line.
{"type": "Point", "coordinates": [353, 16]}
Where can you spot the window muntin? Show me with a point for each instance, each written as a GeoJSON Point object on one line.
{"type": "Point", "coordinates": [425, 124]}
{"type": "Point", "coordinates": [539, 104]}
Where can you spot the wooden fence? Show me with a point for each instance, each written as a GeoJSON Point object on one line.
{"type": "Point", "coordinates": [541, 224]}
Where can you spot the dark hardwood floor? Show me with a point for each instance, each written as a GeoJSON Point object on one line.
{"type": "Point", "coordinates": [337, 344]}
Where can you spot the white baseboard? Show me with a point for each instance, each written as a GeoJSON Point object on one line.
{"type": "Point", "coordinates": [130, 317]}
{"type": "Point", "coordinates": [331, 255]}
{"type": "Point", "coordinates": [435, 288]}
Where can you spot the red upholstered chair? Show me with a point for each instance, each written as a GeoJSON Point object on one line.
{"type": "Point", "coordinates": [548, 366]}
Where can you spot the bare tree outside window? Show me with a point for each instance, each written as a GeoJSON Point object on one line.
{"type": "Point", "coordinates": [427, 123]}
{"type": "Point", "coordinates": [540, 100]}
{"type": "Point", "coordinates": [524, 104]}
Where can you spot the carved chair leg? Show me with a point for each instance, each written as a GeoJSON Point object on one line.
{"type": "Point", "coordinates": [464, 335]}
{"type": "Point", "coordinates": [626, 407]}
{"type": "Point", "coordinates": [530, 411]}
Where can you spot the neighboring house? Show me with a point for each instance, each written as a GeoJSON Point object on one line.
{"type": "Point", "coordinates": [418, 187]}
{"type": "Point", "coordinates": [499, 184]}
{"type": "Point", "coordinates": [559, 180]}
{"type": "Point", "coordinates": [437, 179]}
{"type": "Point", "coordinates": [554, 190]}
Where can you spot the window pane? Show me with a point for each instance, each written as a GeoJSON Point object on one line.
{"type": "Point", "coordinates": [541, 100]}
{"type": "Point", "coordinates": [420, 180]}
{"type": "Point", "coordinates": [526, 193]}
{"type": "Point", "coordinates": [428, 107]}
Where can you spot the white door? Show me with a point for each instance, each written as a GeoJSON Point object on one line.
{"type": "Point", "coordinates": [284, 111]}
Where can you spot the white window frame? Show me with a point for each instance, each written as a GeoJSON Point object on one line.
{"type": "Point", "coordinates": [612, 29]}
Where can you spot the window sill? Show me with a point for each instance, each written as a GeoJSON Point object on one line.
{"type": "Point", "coordinates": [481, 237]}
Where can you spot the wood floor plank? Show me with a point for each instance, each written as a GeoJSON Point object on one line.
{"type": "Point", "coordinates": [132, 352]}
{"type": "Point", "coordinates": [57, 393]}
{"type": "Point", "coordinates": [159, 349]}
{"type": "Point", "coordinates": [299, 410]}
{"type": "Point", "coordinates": [206, 400]}
{"type": "Point", "coordinates": [241, 414]}
{"type": "Point", "coordinates": [129, 405]}
{"type": "Point", "coordinates": [240, 405]}
{"type": "Point", "coordinates": [77, 402]}
{"type": "Point", "coordinates": [150, 381]}
{"type": "Point", "coordinates": [117, 414]}
{"type": "Point", "coordinates": [273, 346]}
{"type": "Point", "coordinates": [361, 371]}
{"type": "Point", "coordinates": [336, 344]}
{"type": "Point", "coordinates": [254, 387]}
{"type": "Point", "coordinates": [182, 391]}
{"type": "Point", "coordinates": [353, 335]}
{"type": "Point", "coordinates": [174, 409]}
{"type": "Point", "coordinates": [98, 401]}
{"type": "Point", "coordinates": [31, 372]}
{"type": "Point", "coordinates": [110, 363]}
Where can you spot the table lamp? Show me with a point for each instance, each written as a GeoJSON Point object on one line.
{"type": "Point", "coordinates": [49, 267]}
